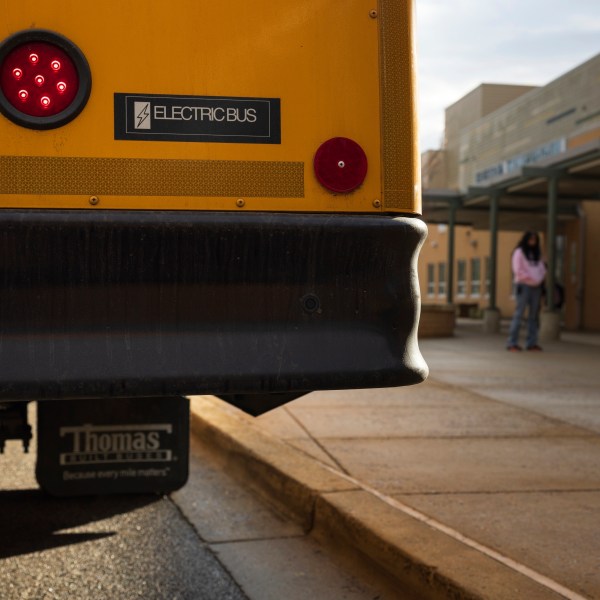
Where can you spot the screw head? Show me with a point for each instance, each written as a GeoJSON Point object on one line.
{"type": "Point", "coordinates": [373, 14]}
{"type": "Point", "coordinates": [377, 203]}
{"type": "Point", "coordinates": [240, 202]}
{"type": "Point", "coordinates": [94, 200]}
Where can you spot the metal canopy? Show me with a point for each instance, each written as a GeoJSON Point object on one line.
{"type": "Point", "coordinates": [523, 196]}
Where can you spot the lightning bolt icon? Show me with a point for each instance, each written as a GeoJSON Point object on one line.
{"type": "Point", "coordinates": [143, 115]}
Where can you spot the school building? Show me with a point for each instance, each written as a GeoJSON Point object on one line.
{"type": "Point", "coordinates": [516, 158]}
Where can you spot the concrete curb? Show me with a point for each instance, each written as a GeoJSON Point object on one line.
{"type": "Point", "coordinates": [424, 561]}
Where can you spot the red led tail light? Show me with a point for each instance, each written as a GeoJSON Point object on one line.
{"type": "Point", "coordinates": [45, 79]}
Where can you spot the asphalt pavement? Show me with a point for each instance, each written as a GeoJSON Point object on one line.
{"type": "Point", "coordinates": [211, 540]}
{"type": "Point", "coordinates": [482, 482]}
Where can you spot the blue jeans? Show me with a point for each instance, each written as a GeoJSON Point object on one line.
{"type": "Point", "coordinates": [527, 297]}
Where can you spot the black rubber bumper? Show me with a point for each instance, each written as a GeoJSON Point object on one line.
{"type": "Point", "coordinates": [135, 303]}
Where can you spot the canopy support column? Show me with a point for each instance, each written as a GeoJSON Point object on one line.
{"type": "Point", "coordinates": [451, 231]}
{"type": "Point", "coordinates": [491, 315]}
{"type": "Point", "coordinates": [550, 317]}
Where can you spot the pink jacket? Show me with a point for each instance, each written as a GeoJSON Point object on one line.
{"type": "Point", "coordinates": [525, 271]}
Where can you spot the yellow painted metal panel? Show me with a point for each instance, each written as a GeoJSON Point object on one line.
{"type": "Point", "coordinates": [327, 61]}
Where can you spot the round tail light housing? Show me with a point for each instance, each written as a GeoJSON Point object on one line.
{"type": "Point", "coordinates": [45, 79]}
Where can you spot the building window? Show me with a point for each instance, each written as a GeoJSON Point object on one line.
{"type": "Point", "coordinates": [475, 277]}
{"type": "Point", "coordinates": [461, 277]}
{"type": "Point", "coordinates": [488, 276]}
{"type": "Point", "coordinates": [431, 279]}
{"type": "Point", "coordinates": [442, 279]}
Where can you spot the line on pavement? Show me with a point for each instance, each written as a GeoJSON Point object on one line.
{"type": "Point", "coordinates": [437, 525]}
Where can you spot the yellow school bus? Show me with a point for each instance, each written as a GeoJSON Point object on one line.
{"type": "Point", "coordinates": [207, 197]}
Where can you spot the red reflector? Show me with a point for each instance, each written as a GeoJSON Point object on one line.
{"type": "Point", "coordinates": [340, 165]}
{"type": "Point", "coordinates": [29, 78]}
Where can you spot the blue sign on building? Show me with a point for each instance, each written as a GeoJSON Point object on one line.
{"type": "Point", "coordinates": [510, 165]}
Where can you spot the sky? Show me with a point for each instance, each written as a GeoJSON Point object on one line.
{"type": "Point", "coordinates": [462, 43]}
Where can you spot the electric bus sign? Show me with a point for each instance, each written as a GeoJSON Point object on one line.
{"type": "Point", "coordinates": [197, 119]}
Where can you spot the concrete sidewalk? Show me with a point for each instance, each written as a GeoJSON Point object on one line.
{"type": "Point", "coordinates": [483, 482]}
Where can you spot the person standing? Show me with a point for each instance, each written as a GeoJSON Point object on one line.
{"type": "Point", "coordinates": [529, 272]}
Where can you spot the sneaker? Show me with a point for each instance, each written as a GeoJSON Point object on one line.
{"type": "Point", "coordinates": [535, 348]}
{"type": "Point", "coordinates": [515, 348]}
